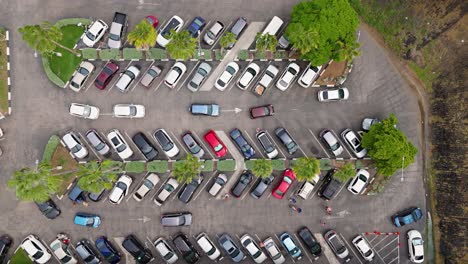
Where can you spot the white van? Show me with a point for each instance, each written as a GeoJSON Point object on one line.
{"type": "Point", "coordinates": [307, 188]}
{"type": "Point", "coordinates": [274, 26]}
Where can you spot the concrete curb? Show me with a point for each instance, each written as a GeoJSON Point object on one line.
{"type": "Point", "coordinates": [7, 38]}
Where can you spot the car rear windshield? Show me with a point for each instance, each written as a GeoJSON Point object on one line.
{"type": "Point", "coordinates": [172, 24]}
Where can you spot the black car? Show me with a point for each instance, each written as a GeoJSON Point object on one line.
{"type": "Point", "coordinates": [110, 253]}
{"type": "Point", "coordinates": [86, 252]}
{"type": "Point", "coordinates": [309, 240]}
{"type": "Point", "coordinates": [242, 183]}
{"type": "Point", "coordinates": [5, 244]}
{"type": "Point", "coordinates": [145, 146]}
{"type": "Point", "coordinates": [186, 249]}
{"type": "Point", "coordinates": [242, 143]}
{"type": "Point", "coordinates": [287, 140]}
{"type": "Point", "coordinates": [186, 195]}
{"type": "Point", "coordinates": [96, 197]}
{"type": "Point", "coordinates": [262, 186]}
{"type": "Point", "coordinates": [141, 254]}
{"type": "Point", "coordinates": [49, 209]}
{"type": "Point", "coordinates": [330, 186]}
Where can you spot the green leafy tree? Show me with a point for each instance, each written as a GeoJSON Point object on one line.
{"type": "Point", "coordinates": [182, 46]}
{"type": "Point", "coordinates": [388, 147]}
{"type": "Point", "coordinates": [94, 176]}
{"type": "Point", "coordinates": [227, 39]}
{"type": "Point", "coordinates": [186, 170]}
{"type": "Point", "coordinates": [345, 173]}
{"type": "Point", "coordinates": [143, 36]}
{"type": "Point", "coordinates": [323, 29]}
{"type": "Point", "coordinates": [262, 168]}
{"type": "Point", "coordinates": [265, 42]}
{"type": "Point", "coordinates": [43, 38]}
{"type": "Point", "coordinates": [306, 168]}
{"type": "Point", "coordinates": [35, 185]}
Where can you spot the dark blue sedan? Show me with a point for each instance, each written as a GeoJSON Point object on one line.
{"type": "Point", "coordinates": [243, 145]}
{"type": "Point", "coordinates": [407, 216]}
{"type": "Point", "coordinates": [196, 26]}
{"type": "Point", "coordinates": [109, 252]}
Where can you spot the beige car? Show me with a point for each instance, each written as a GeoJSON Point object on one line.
{"type": "Point", "coordinates": [81, 75]}
{"type": "Point", "coordinates": [150, 75]}
{"type": "Point", "coordinates": [170, 186]}
{"type": "Point", "coordinates": [307, 188]}
{"type": "Point", "coordinates": [146, 186]}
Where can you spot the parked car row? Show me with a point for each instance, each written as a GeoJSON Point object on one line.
{"type": "Point", "coordinates": [119, 110]}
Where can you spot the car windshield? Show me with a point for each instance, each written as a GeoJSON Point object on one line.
{"type": "Point", "coordinates": [218, 147]}
{"type": "Point", "coordinates": [152, 72]}
{"type": "Point", "coordinates": [231, 70]}
{"type": "Point", "coordinates": [169, 188]}
{"type": "Point", "coordinates": [76, 148]}
{"type": "Point", "coordinates": [280, 193]}
{"type": "Point", "coordinates": [195, 149]}
{"type": "Point", "coordinates": [148, 184]}
{"type": "Point", "coordinates": [89, 221]}
{"type": "Point", "coordinates": [83, 71]}
{"type": "Point", "coordinates": [256, 255]}
{"type": "Point", "coordinates": [221, 83]}
{"type": "Point", "coordinates": [335, 147]}
{"type": "Point", "coordinates": [65, 259]}
{"type": "Point", "coordinates": [362, 177]}
{"type": "Point", "coordinates": [108, 71]}
{"type": "Point", "coordinates": [288, 180]}
{"type": "Point", "coordinates": [121, 148]}
{"type": "Point", "coordinates": [86, 111]}
{"type": "Point", "coordinates": [325, 95]}
{"type": "Point", "coordinates": [133, 110]}
{"type": "Point", "coordinates": [114, 37]}
{"type": "Point", "coordinates": [130, 74]}
{"type": "Point", "coordinates": [172, 25]}
{"type": "Point", "coordinates": [169, 255]}
{"type": "Point", "coordinates": [283, 83]}
{"type": "Point", "coordinates": [38, 255]}
{"type": "Point", "coordinates": [99, 146]}
{"type": "Point", "coordinates": [210, 35]}
{"type": "Point", "coordinates": [341, 93]}
{"type": "Point", "coordinates": [359, 148]}
{"type": "Point", "coordinates": [202, 72]}
{"type": "Point", "coordinates": [193, 84]}
{"type": "Point", "coordinates": [290, 145]}
{"type": "Point", "coordinates": [417, 242]}
{"type": "Point", "coordinates": [292, 71]}
{"type": "Point", "coordinates": [90, 35]}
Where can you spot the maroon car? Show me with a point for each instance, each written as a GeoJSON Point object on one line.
{"type": "Point", "coordinates": [152, 20]}
{"type": "Point", "coordinates": [105, 76]}
{"type": "Point", "coordinates": [261, 111]}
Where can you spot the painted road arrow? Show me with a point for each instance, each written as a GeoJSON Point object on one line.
{"type": "Point", "coordinates": [144, 219]}
{"type": "Point", "coordinates": [236, 110]}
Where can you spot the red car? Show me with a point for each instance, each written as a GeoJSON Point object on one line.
{"type": "Point", "coordinates": [152, 20]}
{"type": "Point", "coordinates": [105, 76]}
{"type": "Point", "coordinates": [262, 111]}
{"type": "Point", "coordinates": [288, 178]}
{"type": "Point", "coordinates": [216, 144]}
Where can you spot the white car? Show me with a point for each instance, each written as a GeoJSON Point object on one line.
{"type": "Point", "coordinates": [308, 186]}
{"type": "Point", "coordinates": [81, 75]}
{"type": "Point", "coordinates": [273, 250]}
{"type": "Point", "coordinates": [73, 143]}
{"type": "Point", "coordinates": [119, 144]}
{"type": "Point", "coordinates": [226, 77]}
{"type": "Point", "coordinates": [35, 249]}
{"type": "Point", "coordinates": [174, 23]}
{"type": "Point", "coordinates": [127, 78]}
{"type": "Point", "coordinates": [248, 76]}
{"type": "Point", "coordinates": [208, 246]}
{"type": "Point", "coordinates": [213, 32]}
{"type": "Point", "coordinates": [95, 33]}
{"type": "Point", "coordinates": [84, 111]}
{"type": "Point", "coordinates": [363, 247]}
{"type": "Point", "coordinates": [167, 253]}
{"type": "Point", "coordinates": [62, 252]}
{"type": "Point", "coordinates": [166, 143]}
{"type": "Point", "coordinates": [332, 142]}
{"type": "Point", "coordinates": [331, 95]}
{"type": "Point", "coordinates": [129, 111]}
{"type": "Point", "coordinates": [253, 249]}
{"type": "Point", "coordinates": [309, 75]}
{"type": "Point", "coordinates": [288, 76]}
{"type": "Point", "coordinates": [170, 186]}
{"type": "Point", "coordinates": [146, 186]}
{"type": "Point", "coordinates": [354, 143]}
{"type": "Point", "coordinates": [175, 74]}
{"type": "Point", "coordinates": [415, 246]}
{"type": "Point", "coordinates": [120, 189]}
{"type": "Point", "coordinates": [359, 181]}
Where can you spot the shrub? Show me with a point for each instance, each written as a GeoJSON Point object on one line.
{"type": "Point", "coordinates": [89, 53]}
{"type": "Point", "coordinates": [325, 164]}
{"type": "Point", "coordinates": [260, 55]}
{"type": "Point", "coordinates": [249, 164]}
{"type": "Point", "coordinates": [117, 164]}
{"type": "Point", "coordinates": [156, 54]}
{"type": "Point", "coordinates": [226, 165]}
{"type": "Point", "coordinates": [278, 164]}
{"type": "Point", "coordinates": [158, 166]}
{"type": "Point", "coordinates": [219, 55]}
{"type": "Point", "coordinates": [207, 165]}
{"type": "Point", "coordinates": [50, 148]}
{"type": "Point", "coordinates": [132, 54]}
{"type": "Point", "coordinates": [109, 54]}
{"type": "Point", "coordinates": [243, 54]}
{"type": "Point", "coordinates": [262, 168]}
{"type": "Point", "coordinates": [135, 166]}
{"type": "Point", "coordinates": [50, 74]}
{"type": "Point", "coordinates": [279, 54]}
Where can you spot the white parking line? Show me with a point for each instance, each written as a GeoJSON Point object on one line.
{"type": "Point", "coordinates": [157, 87]}
{"type": "Point", "coordinates": [349, 246]}
{"type": "Point", "coordinates": [97, 75]}
{"type": "Point", "coordinates": [281, 245]}
{"type": "Point", "coordinates": [140, 77]}
{"type": "Point", "coordinates": [177, 190]}
{"type": "Point", "coordinates": [276, 145]}
{"type": "Point", "coordinates": [303, 247]}
{"type": "Point", "coordinates": [299, 146]}
{"type": "Point", "coordinates": [385, 237]}
{"type": "Point", "coordinates": [203, 144]}
{"type": "Point", "coordinates": [176, 139]}
{"type": "Point", "coordinates": [320, 144]}
{"type": "Point", "coordinates": [221, 34]}
{"type": "Point", "coordinates": [206, 183]}
{"type": "Point", "coordinates": [181, 84]}
{"type": "Point", "coordinates": [253, 142]}
{"type": "Point", "coordinates": [389, 243]}
{"type": "Point", "coordinates": [342, 186]}
{"type": "Point", "coordinates": [133, 143]}
{"type": "Point", "coordinates": [89, 146]}
{"type": "Point", "coordinates": [249, 187]}
{"type": "Point", "coordinates": [376, 252]}
{"type": "Point", "coordinates": [341, 143]}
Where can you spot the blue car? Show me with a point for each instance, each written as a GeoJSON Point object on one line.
{"type": "Point", "coordinates": [407, 216]}
{"type": "Point", "coordinates": [110, 253]}
{"type": "Point", "coordinates": [89, 220]}
{"type": "Point", "coordinates": [291, 246]}
{"type": "Point", "coordinates": [196, 26]}
{"type": "Point", "coordinates": [243, 145]}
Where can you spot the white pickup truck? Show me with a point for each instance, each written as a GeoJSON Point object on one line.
{"type": "Point", "coordinates": [265, 81]}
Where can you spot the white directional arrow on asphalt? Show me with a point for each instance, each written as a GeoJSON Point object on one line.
{"type": "Point", "coordinates": [144, 219]}
{"type": "Point", "coordinates": [236, 110]}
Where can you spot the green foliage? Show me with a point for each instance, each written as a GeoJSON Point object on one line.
{"type": "Point", "coordinates": [278, 164]}
{"type": "Point", "coordinates": [89, 53]}
{"type": "Point", "coordinates": [135, 166]}
{"type": "Point", "coordinates": [243, 54]}
{"type": "Point", "coordinates": [323, 29]}
{"type": "Point", "coordinates": [219, 55]}
{"type": "Point", "coordinates": [73, 21]}
{"type": "Point", "coordinates": [226, 165]}
{"type": "Point", "coordinates": [35, 185]}
{"type": "Point", "coordinates": [306, 168]}
{"type": "Point", "coordinates": [388, 147]}
{"type": "Point", "coordinates": [281, 54]}
{"type": "Point", "coordinates": [207, 165]}
{"type": "Point", "coordinates": [20, 257]}
{"type": "Point", "coordinates": [143, 36]}
{"type": "Point", "coordinates": [51, 75]}
{"type": "Point", "coordinates": [325, 164]}
{"type": "Point", "coordinates": [205, 55]}
{"type": "Point", "coordinates": [50, 148]}
{"type": "Point", "coordinates": [156, 54]}
{"type": "Point", "coordinates": [158, 166]}
{"type": "Point", "coordinates": [94, 176]}
{"type": "Point", "coordinates": [109, 54]}
{"type": "Point", "coordinates": [182, 46]}
{"type": "Point", "coordinates": [425, 74]}
{"type": "Point", "coordinates": [227, 39]}
{"type": "Point", "coordinates": [42, 38]}
{"type": "Point", "coordinates": [265, 42]}
{"type": "Point", "coordinates": [132, 54]}
{"type": "Point", "coordinates": [345, 173]}
{"type": "Point", "coordinates": [187, 169]}
{"type": "Point", "coordinates": [262, 168]}
{"type": "Point", "coordinates": [259, 55]}
{"type": "Point", "coordinates": [118, 165]}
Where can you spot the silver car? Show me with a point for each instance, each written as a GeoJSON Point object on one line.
{"type": "Point", "coordinates": [199, 77]}
{"type": "Point", "coordinates": [273, 250]}
{"type": "Point", "coordinates": [97, 142]}
{"type": "Point", "coordinates": [193, 145]}
{"type": "Point", "coordinates": [332, 142]}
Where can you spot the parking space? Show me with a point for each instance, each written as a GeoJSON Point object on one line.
{"type": "Point", "coordinates": [386, 246]}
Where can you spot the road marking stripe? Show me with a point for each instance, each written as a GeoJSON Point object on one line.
{"type": "Point", "coordinates": [303, 248]}
{"type": "Point", "coordinates": [342, 145]}
{"type": "Point", "coordinates": [324, 150]}
{"type": "Point", "coordinates": [278, 147]}
{"type": "Point", "coordinates": [388, 244]}
{"type": "Point", "coordinates": [390, 253]}
{"type": "Point", "coordinates": [181, 84]}
{"type": "Point", "coordinates": [253, 142]}
{"type": "Point", "coordinates": [356, 255]}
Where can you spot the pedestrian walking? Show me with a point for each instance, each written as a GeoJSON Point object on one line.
{"type": "Point", "coordinates": [292, 200]}
{"type": "Point", "coordinates": [329, 210]}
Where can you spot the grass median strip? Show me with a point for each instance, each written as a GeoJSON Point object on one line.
{"type": "Point", "coordinates": [3, 72]}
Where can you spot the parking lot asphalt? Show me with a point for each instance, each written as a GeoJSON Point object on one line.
{"type": "Point", "coordinates": [41, 109]}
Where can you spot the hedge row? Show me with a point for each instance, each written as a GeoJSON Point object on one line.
{"type": "Point", "coordinates": [243, 54]}
{"type": "Point", "coordinates": [156, 54]}
{"type": "Point", "coordinates": [50, 148]}
{"type": "Point", "coordinates": [158, 166]}
{"type": "Point", "coordinates": [207, 165]}
{"type": "Point", "coordinates": [132, 54]}
{"type": "Point", "coordinates": [226, 165]}
{"type": "Point", "coordinates": [89, 53]}
{"type": "Point", "coordinates": [135, 166]}
{"type": "Point", "coordinates": [109, 54]}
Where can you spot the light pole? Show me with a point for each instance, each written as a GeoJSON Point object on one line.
{"type": "Point", "coordinates": [200, 52]}
{"type": "Point", "coordinates": [402, 164]}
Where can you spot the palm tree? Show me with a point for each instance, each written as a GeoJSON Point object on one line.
{"type": "Point", "coordinates": [262, 168]}
{"type": "Point", "coordinates": [143, 36]}
{"type": "Point", "coordinates": [186, 170]}
{"type": "Point", "coordinates": [266, 42]}
{"type": "Point", "coordinates": [182, 46]}
{"type": "Point", "coordinates": [345, 173]}
{"type": "Point", "coordinates": [346, 52]}
{"type": "Point", "coordinates": [35, 185]}
{"type": "Point", "coordinates": [306, 168]}
{"type": "Point", "coordinates": [301, 39]}
{"type": "Point", "coordinates": [94, 176]}
{"type": "Point", "coordinates": [44, 38]}
{"type": "Point", "coordinates": [226, 40]}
